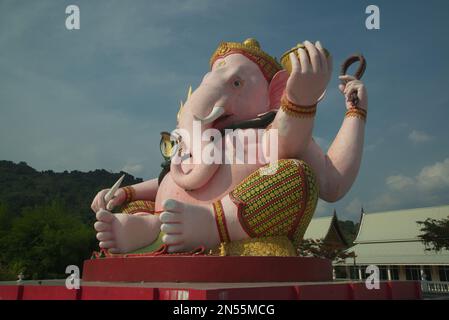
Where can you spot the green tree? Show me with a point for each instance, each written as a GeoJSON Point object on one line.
{"type": "Point", "coordinates": [45, 239]}
{"type": "Point", "coordinates": [320, 249]}
{"type": "Point", "coordinates": [435, 233]}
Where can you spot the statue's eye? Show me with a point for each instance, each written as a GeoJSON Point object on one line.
{"type": "Point", "coordinates": [237, 83]}
{"type": "Point", "coordinates": [169, 146]}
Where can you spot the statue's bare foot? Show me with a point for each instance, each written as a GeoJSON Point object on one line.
{"type": "Point", "coordinates": [122, 233]}
{"type": "Point", "coordinates": [187, 226]}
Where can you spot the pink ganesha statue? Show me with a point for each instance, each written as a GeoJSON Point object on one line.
{"type": "Point", "coordinates": [261, 206]}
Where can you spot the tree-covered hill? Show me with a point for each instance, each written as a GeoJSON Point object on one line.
{"type": "Point", "coordinates": [45, 218]}
{"type": "Point", "coordinates": [22, 186]}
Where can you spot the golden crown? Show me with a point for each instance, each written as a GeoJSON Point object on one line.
{"type": "Point", "coordinates": [250, 48]}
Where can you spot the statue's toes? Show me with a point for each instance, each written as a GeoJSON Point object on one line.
{"type": "Point", "coordinates": [173, 239]}
{"type": "Point", "coordinates": [175, 242]}
{"type": "Point", "coordinates": [104, 216]}
{"type": "Point", "coordinates": [104, 236]}
{"type": "Point", "coordinates": [102, 226]}
{"type": "Point", "coordinates": [107, 244]}
{"type": "Point", "coordinates": [172, 228]}
{"type": "Point", "coordinates": [176, 248]}
{"type": "Point", "coordinates": [171, 217]}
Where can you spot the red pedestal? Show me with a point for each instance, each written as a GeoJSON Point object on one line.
{"type": "Point", "coordinates": [396, 290]}
{"type": "Point", "coordinates": [209, 278]}
{"type": "Point", "coordinates": [208, 269]}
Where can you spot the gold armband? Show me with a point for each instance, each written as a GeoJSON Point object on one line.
{"type": "Point", "coordinates": [357, 113]}
{"type": "Point", "coordinates": [130, 193]}
{"type": "Point", "coordinates": [297, 111]}
{"type": "Point", "coordinates": [220, 220]}
{"type": "Point", "coordinates": [139, 206]}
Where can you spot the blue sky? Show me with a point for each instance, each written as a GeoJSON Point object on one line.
{"type": "Point", "coordinates": [98, 97]}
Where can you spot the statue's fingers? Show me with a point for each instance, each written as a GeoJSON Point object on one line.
{"type": "Point", "coordinates": [173, 206]}
{"type": "Point", "coordinates": [117, 200]}
{"type": "Point", "coordinates": [170, 217]}
{"type": "Point", "coordinates": [107, 244]}
{"type": "Point", "coordinates": [347, 78]}
{"type": "Point", "coordinates": [323, 58]}
{"type": "Point", "coordinates": [93, 205]}
{"type": "Point", "coordinates": [354, 88]}
{"type": "Point", "coordinates": [314, 56]}
{"type": "Point", "coordinates": [351, 86]}
{"type": "Point", "coordinates": [172, 239]}
{"type": "Point", "coordinates": [110, 206]}
{"type": "Point", "coordinates": [361, 93]}
{"type": "Point", "coordinates": [347, 88]}
{"type": "Point", "coordinates": [296, 67]}
{"type": "Point", "coordinates": [96, 204]}
{"type": "Point", "coordinates": [341, 87]}
{"type": "Point", "coordinates": [101, 204]}
{"type": "Point", "coordinates": [102, 226]}
{"type": "Point", "coordinates": [304, 60]}
{"type": "Point", "coordinates": [104, 216]}
{"type": "Point", "coordinates": [104, 236]}
{"type": "Point", "coordinates": [114, 202]}
{"type": "Point", "coordinates": [171, 228]}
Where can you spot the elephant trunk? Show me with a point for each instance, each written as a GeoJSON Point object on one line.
{"type": "Point", "coordinates": [198, 176]}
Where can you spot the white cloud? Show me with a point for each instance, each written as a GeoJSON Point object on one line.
{"type": "Point", "coordinates": [419, 137]}
{"type": "Point", "coordinates": [353, 209]}
{"type": "Point", "coordinates": [134, 169]}
{"type": "Point", "coordinates": [434, 177]}
{"type": "Point", "coordinates": [399, 182]}
{"type": "Point", "coordinates": [429, 187]}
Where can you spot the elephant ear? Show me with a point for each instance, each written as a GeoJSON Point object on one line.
{"type": "Point", "coordinates": [277, 87]}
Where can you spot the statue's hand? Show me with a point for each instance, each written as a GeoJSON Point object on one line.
{"type": "Point", "coordinates": [187, 226]}
{"type": "Point", "coordinates": [310, 75]}
{"type": "Point", "coordinates": [99, 203]}
{"type": "Point", "coordinates": [350, 85]}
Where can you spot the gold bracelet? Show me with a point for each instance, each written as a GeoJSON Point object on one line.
{"type": "Point", "coordinates": [130, 193]}
{"type": "Point", "coordinates": [220, 220]}
{"type": "Point", "coordinates": [297, 111]}
{"type": "Point", "coordinates": [357, 113]}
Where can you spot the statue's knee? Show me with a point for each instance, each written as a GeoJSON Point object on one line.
{"type": "Point", "coordinates": [278, 199]}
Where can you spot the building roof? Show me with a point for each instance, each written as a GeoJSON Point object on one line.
{"type": "Point", "coordinates": [392, 237]}
{"type": "Point", "coordinates": [318, 228]}
{"type": "Point", "coordinates": [400, 253]}
{"type": "Point", "coordinates": [325, 228]}
{"type": "Point", "coordinates": [400, 225]}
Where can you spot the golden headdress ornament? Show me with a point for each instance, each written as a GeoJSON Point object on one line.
{"type": "Point", "coordinates": [250, 48]}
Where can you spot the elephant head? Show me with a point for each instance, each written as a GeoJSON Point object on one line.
{"type": "Point", "coordinates": [243, 83]}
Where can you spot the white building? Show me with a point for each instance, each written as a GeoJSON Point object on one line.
{"type": "Point", "coordinates": [390, 240]}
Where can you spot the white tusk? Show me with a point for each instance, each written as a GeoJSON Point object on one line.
{"type": "Point", "coordinates": [110, 195]}
{"type": "Point", "coordinates": [212, 116]}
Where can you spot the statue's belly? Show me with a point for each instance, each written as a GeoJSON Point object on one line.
{"type": "Point", "coordinates": [225, 180]}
